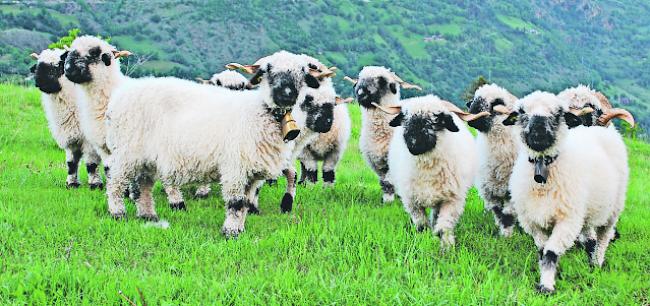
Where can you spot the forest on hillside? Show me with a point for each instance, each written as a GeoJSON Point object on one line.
{"type": "Point", "coordinates": [441, 45]}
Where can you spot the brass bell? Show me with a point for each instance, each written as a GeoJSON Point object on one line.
{"type": "Point", "coordinates": [290, 129]}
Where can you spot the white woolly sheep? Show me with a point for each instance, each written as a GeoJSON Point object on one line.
{"type": "Point", "coordinates": [582, 96]}
{"type": "Point", "coordinates": [183, 132]}
{"type": "Point", "coordinates": [498, 147]}
{"type": "Point", "coordinates": [433, 162]}
{"type": "Point", "coordinates": [328, 148]}
{"type": "Point", "coordinates": [565, 182]}
{"type": "Point", "coordinates": [94, 65]}
{"type": "Point", "coordinates": [381, 86]}
{"type": "Point", "coordinates": [59, 102]}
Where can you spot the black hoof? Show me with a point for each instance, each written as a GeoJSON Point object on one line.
{"type": "Point", "coordinates": [287, 203]}
{"type": "Point", "coordinates": [253, 210]}
{"type": "Point", "coordinates": [544, 290]}
{"type": "Point", "coordinates": [94, 186]}
{"type": "Point", "coordinates": [126, 193]}
{"type": "Point", "coordinates": [149, 218]}
{"type": "Point", "coordinates": [421, 228]}
{"type": "Point", "coordinates": [73, 185]}
{"type": "Point", "coordinates": [177, 206]}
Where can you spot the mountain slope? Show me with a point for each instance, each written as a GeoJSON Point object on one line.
{"type": "Point", "coordinates": [442, 46]}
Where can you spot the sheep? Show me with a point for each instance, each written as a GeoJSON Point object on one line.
{"type": "Point", "coordinates": [328, 148]}
{"type": "Point", "coordinates": [582, 96]}
{"type": "Point", "coordinates": [432, 160]}
{"type": "Point", "coordinates": [182, 132]}
{"type": "Point", "coordinates": [94, 66]}
{"type": "Point", "coordinates": [381, 86]}
{"type": "Point", "coordinates": [317, 117]}
{"type": "Point", "coordinates": [59, 102]}
{"type": "Point", "coordinates": [567, 180]}
{"type": "Point", "coordinates": [498, 147]}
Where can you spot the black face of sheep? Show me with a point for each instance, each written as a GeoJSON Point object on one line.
{"type": "Point", "coordinates": [420, 130]}
{"type": "Point", "coordinates": [319, 117]}
{"type": "Point", "coordinates": [77, 66]}
{"type": "Point", "coordinates": [370, 91]}
{"type": "Point", "coordinates": [46, 75]}
{"type": "Point", "coordinates": [478, 105]}
{"type": "Point", "coordinates": [539, 132]}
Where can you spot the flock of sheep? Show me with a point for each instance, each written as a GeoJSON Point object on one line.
{"type": "Point", "coordinates": [551, 163]}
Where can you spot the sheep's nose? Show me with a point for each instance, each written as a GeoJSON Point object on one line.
{"type": "Point", "coordinates": [539, 135]}
{"type": "Point", "coordinates": [285, 95]}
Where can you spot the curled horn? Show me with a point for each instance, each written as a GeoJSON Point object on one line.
{"type": "Point", "coordinates": [620, 113]}
{"type": "Point", "coordinates": [404, 84]}
{"type": "Point", "coordinates": [501, 110]}
{"type": "Point", "coordinates": [581, 111]}
{"type": "Point", "coordinates": [604, 102]}
{"type": "Point", "coordinates": [123, 53]}
{"type": "Point", "coordinates": [351, 80]}
{"type": "Point", "coordinates": [391, 109]}
{"type": "Point", "coordinates": [340, 100]}
{"type": "Point", "coordinates": [34, 56]}
{"type": "Point", "coordinates": [250, 69]}
{"type": "Point", "coordinates": [465, 116]}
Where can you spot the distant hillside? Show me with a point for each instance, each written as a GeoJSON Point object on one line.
{"type": "Point", "coordinates": [441, 45]}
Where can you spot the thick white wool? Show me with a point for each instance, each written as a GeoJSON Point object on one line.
{"type": "Point", "coordinates": [439, 178]}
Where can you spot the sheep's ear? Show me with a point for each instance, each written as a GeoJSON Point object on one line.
{"type": "Point", "coordinates": [572, 120]}
{"type": "Point", "coordinates": [512, 119]}
{"type": "Point", "coordinates": [33, 69]}
{"type": "Point", "coordinates": [393, 88]}
{"type": "Point", "coordinates": [447, 122]}
{"type": "Point", "coordinates": [397, 121]}
{"type": "Point", "coordinates": [106, 59]}
{"type": "Point", "coordinates": [257, 78]}
{"type": "Point", "coordinates": [312, 81]}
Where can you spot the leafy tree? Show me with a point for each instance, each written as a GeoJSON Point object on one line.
{"type": "Point", "coordinates": [468, 94]}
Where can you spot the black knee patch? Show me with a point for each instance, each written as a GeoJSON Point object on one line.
{"type": "Point", "coordinates": [253, 210]}
{"type": "Point", "coordinates": [590, 247]}
{"type": "Point", "coordinates": [287, 203]}
{"type": "Point", "coordinates": [387, 187]}
{"type": "Point", "coordinates": [506, 220]}
{"type": "Point", "coordinates": [328, 176]}
{"type": "Point", "coordinates": [549, 259]}
{"type": "Point", "coordinates": [91, 168]}
{"type": "Point", "coordinates": [238, 204]}
{"type": "Point", "coordinates": [72, 167]}
{"type": "Point", "coordinates": [178, 206]}
{"type": "Point", "coordinates": [311, 176]}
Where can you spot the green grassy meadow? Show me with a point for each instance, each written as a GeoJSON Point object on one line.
{"type": "Point", "coordinates": [338, 246]}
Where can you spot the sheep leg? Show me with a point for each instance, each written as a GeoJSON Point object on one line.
{"type": "Point", "coordinates": [253, 193]}
{"type": "Point", "coordinates": [605, 235]}
{"type": "Point", "coordinates": [308, 168]}
{"type": "Point", "coordinates": [387, 189]}
{"type": "Point", "coordinates": [448, 216]}
{"type": "Point", "coordinates": [563, 236]}
{"type": "Point", "coordinates": [174, 197]}
{"type": "Point", "coordinates": [237, 205]}
{"type": "Point", "coordinates": [504, 218]}
{"type": "Point", "coordinates": [118, 183]}
{"type": "Point", "coordinates": [587, 239]}
{"type": "Point", "coordinates": [287, 200]}
{"type": "Point", "coordinates": [72, 157]}
{"type": "Point", "coordinates": [417, 213]}
{"type": "Point", "coordinates": [92, 161]}
{"type": "Point", "coordinates": [146, 208]}
{"type": "Point", "coordinates": [203, 191]}
{"type": "Point", "coordinates": [329, 168]}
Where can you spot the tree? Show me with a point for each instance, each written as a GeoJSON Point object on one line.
{"type": "Point", "coordinates": [65, 41]}
{"type": "Point", "coordinates": [468, 94]}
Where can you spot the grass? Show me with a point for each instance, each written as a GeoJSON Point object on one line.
{"type": "Point", "coordinates": [339, 246]}
{"type": "Point", "coordinates": [515, 23]}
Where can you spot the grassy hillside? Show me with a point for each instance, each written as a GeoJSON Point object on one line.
{"type": "Point", "coordinates": [338, 246]}
{"type": "Point", "coordinates": [441, 45]}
